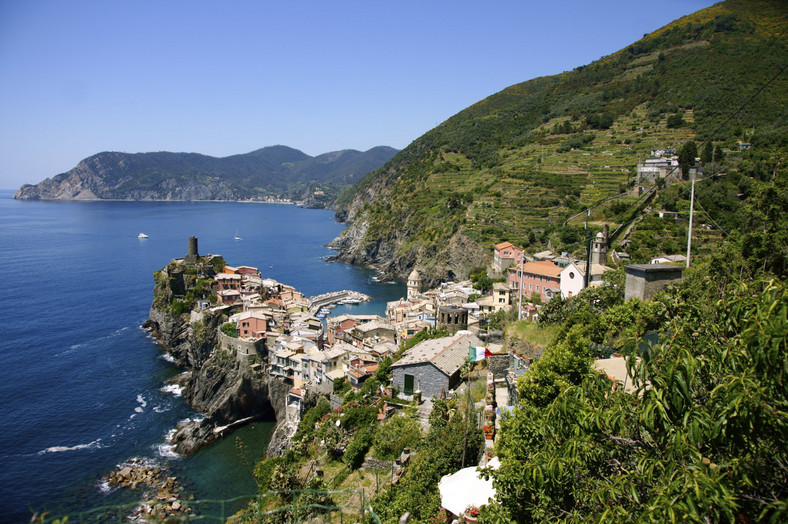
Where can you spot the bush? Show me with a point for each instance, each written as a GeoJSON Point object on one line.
{"type": "Point", "coordinates": [358, 447]}
{"type": "Point", "coordinates": [398, 433]}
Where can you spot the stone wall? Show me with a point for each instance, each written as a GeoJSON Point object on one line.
{"type": "Point", "coordinates": [242, 348]}
{"type": "Point", "coordinates": [498, 365]}
{"type": "Point", "coordinates": [426, 378]}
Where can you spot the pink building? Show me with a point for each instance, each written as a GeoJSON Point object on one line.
{"type": "Point", "coordinates": [542, 278]}
{"type": "Point", "coordinates": [505, 255]}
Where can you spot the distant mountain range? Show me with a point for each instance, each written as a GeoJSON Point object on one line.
{"type": "Point", "coordinates": [270, 172]}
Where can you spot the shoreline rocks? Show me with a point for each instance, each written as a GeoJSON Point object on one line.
{"type": "Point", "coordinates": [161, 496]}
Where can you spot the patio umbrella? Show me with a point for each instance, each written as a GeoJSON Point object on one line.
{"type": "Point", "coordinates": [466, 488]}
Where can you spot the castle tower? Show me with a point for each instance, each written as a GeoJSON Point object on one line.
{"type": "Point", "coordinates": [414, 284]}
{"type": "Point", "coordinates": [193, 254]}
{"type": "Point", "coordinates": [599, 249]}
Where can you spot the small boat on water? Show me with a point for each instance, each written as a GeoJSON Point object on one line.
{"type": "Point", "coordinates": [142, 235]}
{"type": "Point", "coordinates": [237, 237]}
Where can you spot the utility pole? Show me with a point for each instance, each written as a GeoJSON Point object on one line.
{"type": "Point", "coordinates": [692, 209]}
{"type": "Point", "coordinates": [589, 240]}
{"type": "Point", "coordinates": [520, 285]}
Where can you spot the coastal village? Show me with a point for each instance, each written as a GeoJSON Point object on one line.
{"type": "Point", "coordinates": [279, 332]}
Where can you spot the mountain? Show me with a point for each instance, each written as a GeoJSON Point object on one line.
{"type": "Point", "coordinates": [516, 165]}
{"type": "Point", "coordinates": [276, 171]}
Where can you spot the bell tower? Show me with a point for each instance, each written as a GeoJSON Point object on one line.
{"type": "Point", "coordinates": [414, 284]}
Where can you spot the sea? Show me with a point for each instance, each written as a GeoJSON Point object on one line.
{"type": "Point", "coordinates": [83, 385]}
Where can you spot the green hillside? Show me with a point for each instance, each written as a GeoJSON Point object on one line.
{"type": "Point", "coordinates": [517, 164]}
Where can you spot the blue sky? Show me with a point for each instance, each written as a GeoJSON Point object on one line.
{"type": "Point", "coordinates": [222, 78]}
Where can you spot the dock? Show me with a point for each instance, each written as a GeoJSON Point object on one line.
{"type": "Point", "coordinates": [335, 297]}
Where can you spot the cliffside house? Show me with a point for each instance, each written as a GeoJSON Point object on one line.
{"type": "Point", "coordinates": [505, 254]}
{"type": "Point", "coordinates": [542, 278]}
{"type": "Point", "coordinates": [433, 366]}
{"type": "Point", "coordinates": [228, 296]}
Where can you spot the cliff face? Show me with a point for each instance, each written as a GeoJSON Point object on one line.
{"type": "Point", "coordinates": [391, 249]}
{"type": "Point", "coordinates": [218, 383]}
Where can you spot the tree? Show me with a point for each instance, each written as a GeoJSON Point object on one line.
{"type": "Point", "coordinates": [675, 120]}
{"type": "Point", "coordinates": [708, 152]}
{"type": "Point", "coordinates": [702, 439]}
{"type": "Point", "coordinates": [687, 155]}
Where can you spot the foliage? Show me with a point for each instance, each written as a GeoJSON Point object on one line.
{"type": "Point", "coordinates": [441, 454]}
{"type": "Point", "coordinates": [230, 329]}
{"type": "Point", "coordinates": [703, 439]}
{"type": "Point", "coordinates": [358, 447]}
{"type": "Point", "coordinates": [341, 386]}
{"type": "Point", "coordinates": [687, 155]}
{"type": "Point", "coordinates": [396, 434]}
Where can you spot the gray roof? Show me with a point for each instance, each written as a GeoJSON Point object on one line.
{"type": "Point", "coordinates": [447, 353]}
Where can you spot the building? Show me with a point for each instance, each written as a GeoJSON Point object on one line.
{"type": "Point", "coordinates": [505, 254]}
{"type": "Point", "coordinates": [573, 277]}
{"type": "Point", "coordinates": [643, 281]}
{"type": "Point", "coordinates": [542, 278]}
{"type": "Point", "coordinates": [669, 259]}
{"type": "Point", "coordinates": [414, 285]}
{"type": "Point", "coordinates": [433, 366]}
{"type": "Point", "coordinates": [452, 318]}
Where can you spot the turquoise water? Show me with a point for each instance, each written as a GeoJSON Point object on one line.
{"type": "Point", "coordinates": [82, 387]}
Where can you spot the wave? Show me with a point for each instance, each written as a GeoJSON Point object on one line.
{"type": "Point", "coordinates": [143, 404]}
{"type": "Point", "coordinates": [59, 449]}
{"type": "Point", "coordinates": [169, 358]}
{"type": "Point", "coordinates": [78, 345]}
{"type": "Point", "coordinates": [167, 450]}
{"type": "Point", "coordinates": [173, 389]}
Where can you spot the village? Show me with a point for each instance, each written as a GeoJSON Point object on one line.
{"type": "Point", "coordinates": [278, 329]}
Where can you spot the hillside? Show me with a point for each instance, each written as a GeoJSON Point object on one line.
{"type": "Point", "coordinates": [517, 164]}
{"type": "Point", "coordinates": [277, 171]}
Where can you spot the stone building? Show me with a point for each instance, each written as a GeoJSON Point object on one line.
{"type": "Point", "coordinates": [433, 366]}
{"type": "Point", "coordinates": [452, 318]}
{"type": "Point", "coordinates": [643, 281]}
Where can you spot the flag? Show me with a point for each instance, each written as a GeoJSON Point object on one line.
{"type": "Point", "coordinates": [477, 353]}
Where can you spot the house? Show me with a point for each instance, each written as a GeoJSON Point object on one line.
{"type": "Point", "coordinates": [433, 366]}
{"type": "Point", "coordinates": [573, 277]}
{"type": "Point", "coordinates": [669, 259]}
{"type": "Point", "coordinates": [227, 281]}
{"type": "Point", "coordinates": [228, 296]}
{"type": "Point", "coordinates": [502, 296]}
{"type": "Point", "coordinates": [504, 255]}
{"type": "Point", "coordinates": [542, 278]}
{"type": "Point", "coordinates": [250, 324]}
{"type": "Point", "coordinates": [373, 331]}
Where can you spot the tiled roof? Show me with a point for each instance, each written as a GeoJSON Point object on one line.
{"type": "Point", "coordinates": [446, 353]}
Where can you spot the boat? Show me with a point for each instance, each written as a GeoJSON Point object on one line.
{"type": "Point", "coordinates": [237, 237]}
{"type": "Point", "coordinates": [142, 235]}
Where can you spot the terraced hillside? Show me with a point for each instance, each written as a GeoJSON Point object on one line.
{"type": "Point", "coordinates": [516, 165]}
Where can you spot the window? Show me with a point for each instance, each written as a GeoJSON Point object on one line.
{"type": "Point", "coordinates": [571, 274]}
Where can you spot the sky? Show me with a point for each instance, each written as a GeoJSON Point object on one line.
{"type": "Point", "coordinates": [223, 78]}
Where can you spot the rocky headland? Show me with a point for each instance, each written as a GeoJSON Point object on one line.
{"type": "Point", "coordinates": [228, 390]}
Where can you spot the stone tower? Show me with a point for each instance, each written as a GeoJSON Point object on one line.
{"type": "Point", "coordinates": [193, 254]}
{"type": "Point", "coordinates": [414, 284]}
{"type": "Point", "coordinates": [599, 249]}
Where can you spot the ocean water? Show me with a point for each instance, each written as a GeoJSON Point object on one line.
{"type": "Point", "coordinates": [82, 387]}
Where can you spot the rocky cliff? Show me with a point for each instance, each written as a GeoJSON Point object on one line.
{"type": "Point", "coordinates": [391, 248]}
{"type": "Point", "coordinates": [226, 388]}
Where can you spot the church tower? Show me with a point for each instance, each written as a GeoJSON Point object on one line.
{"type": "Point", "coordinates": [414, 284]}
{"type": "Point", "coordinates": [599, 250]}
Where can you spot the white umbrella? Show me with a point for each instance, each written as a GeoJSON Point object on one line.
{"type": "Point", "coordinates": [466, 488]}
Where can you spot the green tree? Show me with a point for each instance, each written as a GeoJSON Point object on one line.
{"type": "Point", "coordinates": [687, 155]}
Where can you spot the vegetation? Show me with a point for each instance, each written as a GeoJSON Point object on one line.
{"type": "Point", "coordinates": [517, 164]}
{"type": "Point", "coordinates": [703, 436]}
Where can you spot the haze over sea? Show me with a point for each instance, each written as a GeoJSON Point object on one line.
{"type": "Point", "coordinates": [82, 386]}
